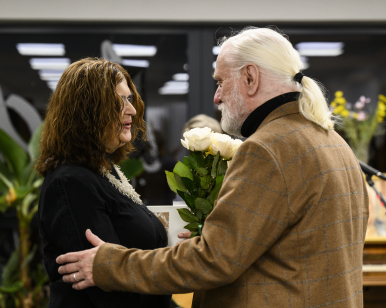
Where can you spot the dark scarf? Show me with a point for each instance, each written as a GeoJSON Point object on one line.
{"type": "Point", "coordinates": [252, 123]}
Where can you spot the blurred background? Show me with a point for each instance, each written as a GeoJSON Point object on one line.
{"type": "Point", "coordinates": [169, 49]}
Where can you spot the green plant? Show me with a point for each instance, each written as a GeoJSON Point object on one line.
{"type": "Point", "coordinates": [358, 124]}
{"type": "Point", "coordinates": [19, 192]}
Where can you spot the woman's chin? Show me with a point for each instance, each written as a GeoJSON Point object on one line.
{"type": "Point", "coordinates": [125, 137]}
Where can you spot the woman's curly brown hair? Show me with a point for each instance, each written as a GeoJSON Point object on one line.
{"type": "Point", "coordinates": [84, 113]}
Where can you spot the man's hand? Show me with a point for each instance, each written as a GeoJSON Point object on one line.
{"type": "Point", "coordinates": [184, 235]}
{"type": "Point", "coordinates": [79, 264]}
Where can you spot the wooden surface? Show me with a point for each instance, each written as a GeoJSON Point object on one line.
{"type": "Point", "coordinates": [183, 300]}
{"type": "Point", "coordinates": [374, 279]}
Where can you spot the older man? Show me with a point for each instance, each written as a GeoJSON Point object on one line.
{"type": "Point", "coordinates": [289, 224]}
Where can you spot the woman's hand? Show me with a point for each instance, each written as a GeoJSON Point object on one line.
{"type": "Point", "coordinates": [184, 236]}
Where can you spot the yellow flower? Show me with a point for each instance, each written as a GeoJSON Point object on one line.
{"type": "Point", "coordinates": [340, 100]}
{"type": "Point", "coordinates": [345, 113]}
{"type": "Point", "coordinates": [338, 109]}
{"type": "Point", "coordinates": [11, 196]}
{"type": "Point", "coordinates": [338, 94]}
{"type": "Point", "coordinates": [355, 115]}
{"type": "Point", "coordinates": [382, 97]}
{"type": "Point", "coordinates": [381, 107]}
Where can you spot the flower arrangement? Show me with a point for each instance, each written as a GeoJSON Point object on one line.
{"type": "Point", "coordinates": [198, 179]}
{"type": "Point", "coordinates": [358, 124]}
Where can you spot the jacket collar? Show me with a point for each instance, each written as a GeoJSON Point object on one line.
{"type": "Point", "coordinates": [270, 110]}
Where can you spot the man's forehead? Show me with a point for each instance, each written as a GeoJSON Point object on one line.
{"type": "Point", "coordinates": [221, 67]}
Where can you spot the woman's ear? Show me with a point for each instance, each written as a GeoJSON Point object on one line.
{"type": "Point", "coordinates": [251, 78]}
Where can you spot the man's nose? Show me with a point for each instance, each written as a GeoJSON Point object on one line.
{"type": "Point", "coordinates": [217, 97]}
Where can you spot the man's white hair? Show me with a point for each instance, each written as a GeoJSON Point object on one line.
{"type": "Point", "coordinates": [280, 62]}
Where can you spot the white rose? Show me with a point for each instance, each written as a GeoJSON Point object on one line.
{"type": "Point", "coordinates": [221, 143]}
{"type": "Point", "coordinates": [197, 139]}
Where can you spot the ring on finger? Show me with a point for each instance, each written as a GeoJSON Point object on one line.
{"type": "Point", "coordinates": [75, 278]}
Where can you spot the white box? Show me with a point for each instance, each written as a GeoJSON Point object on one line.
{"type": "Point", "coordinates": [171, 220]}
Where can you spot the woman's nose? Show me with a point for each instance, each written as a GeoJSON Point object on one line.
{"type": "Point", "coordinates": [130, 110]}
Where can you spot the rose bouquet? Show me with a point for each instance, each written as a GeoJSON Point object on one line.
{"type": "Point", "coordinates": [358, 123]}
{"type": "Point", "coordinates": [198, 179]}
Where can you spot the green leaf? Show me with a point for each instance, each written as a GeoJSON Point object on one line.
{"type": "Point", "coordinates": [189, 184]}
{"type": "Point", "coordinates": [209, 160]}
{"type": "Point", "coordinates": [15, 287]}
{"type": "Point", "coordinates": [180, 183]}
{"type": "Point", "coordinates": [183, 171]}
{"type": "Point", "coordinates": [192, 226]}
{"type": "Point", "coordinates": [3, 205]}
{"type": "Point", "coordinates": [131, 168]}
{"type": "Point", "coordinates": [10, 268]}
{"type": "Point", "coordinates": [30, 256]}
{"type": "Point", "coordinates": [214, 165]}
{"type": "Point", "coordinates": [194, 234]}
{"type": "Point", "coordinates": [34, 143]}
{"type": "Point", "coordinates": [32, 212]}
{"type": "Point", "coordinates": [38, 182]}
{"type": "Point", "coordinates": [196, 159]}
{"type": "Point", "coordinates": [220, 178]}
{"type": "Point", "coordinates": [222, 167]}
{"type": "Point", "coordinates": [25, 204]}
{"type": "Point", "coordinates": [186, 162]}
{"type": "Point", "coordinates": [22, 191]}
{"type": "Point", "coordinates": [4, 170]}
{"type": "Point", "coordinates": [4, 180]}
{"type": "Point", "coordinates": [206, 181]}
{"type": "Point", "coordinates": [14, 155]}
{"type": "Point", "coordinates": [196, 182]}
{"type": "Point", "coordinates": [189, 200]}
{"type": "Point", "coordinates": [193, 162]}
{"type": "Point", "coordinates": [186, 215]}
{"type": "Point", "coordinates": [198, 214]}
{"type": "Point", "coordinates": [27, 173]}
{"type": "Point", "coordinates": [203, 205]}
{"type": "Point", "coordinates": [171, 181]}
{"type": "Point", "coordinates": [214, 193]}
{"type": "Point", "coordinates": [202, 171]}
{"type": "Point", "coordinates": [201, 192]}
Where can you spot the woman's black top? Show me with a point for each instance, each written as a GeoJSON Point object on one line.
{"type": "Point", "coordinates": [74, 199]}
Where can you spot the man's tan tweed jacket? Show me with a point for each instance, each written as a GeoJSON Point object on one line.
{"type": "Point", "coordinates": [287, 230]}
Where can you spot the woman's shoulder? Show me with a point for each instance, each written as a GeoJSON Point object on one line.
{"type": "Point", "coordinates": [81, 175]}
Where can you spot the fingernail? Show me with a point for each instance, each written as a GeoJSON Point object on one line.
{"type": "Point", "coordinates": [180, 234]}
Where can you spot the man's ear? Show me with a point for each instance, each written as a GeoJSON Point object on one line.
{"type": "Point", "coordinates": [251, 78]}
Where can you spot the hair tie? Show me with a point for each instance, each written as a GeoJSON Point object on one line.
{"type": "Point", "coordinates": [298, 77]}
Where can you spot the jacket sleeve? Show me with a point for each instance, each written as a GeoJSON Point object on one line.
{"type": "Point", "coordinates": [250, 214]}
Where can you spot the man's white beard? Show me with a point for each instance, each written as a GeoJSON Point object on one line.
{"type": "Point", "coordinates": [234, 112]}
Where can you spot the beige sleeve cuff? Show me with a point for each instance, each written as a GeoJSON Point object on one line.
{"type": "Point", "coordinates": [101, 267]}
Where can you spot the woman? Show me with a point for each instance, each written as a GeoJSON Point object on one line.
{"type": "Point", "coordinates": [93, 114]}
